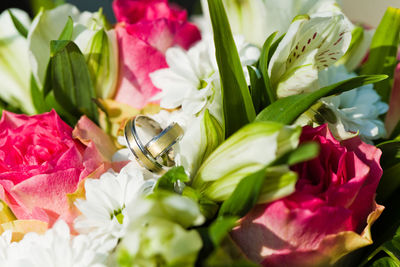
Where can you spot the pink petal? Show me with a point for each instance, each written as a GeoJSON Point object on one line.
{"type": "Point", "coordinates": [393, 115]}
{"type": "Point", "coordinates": [133, 11]}
{"type": "Point", "coordinates": [87, 131]}
{"type": "Point", "coordinates": [47, 193]}
{"type": "Point", "coordinates": [137, 60]}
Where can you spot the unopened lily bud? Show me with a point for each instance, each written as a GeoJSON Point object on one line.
{"type": "Point", "coordinates": [247, 151]}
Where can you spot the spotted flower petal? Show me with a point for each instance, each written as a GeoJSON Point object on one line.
{"type": "Point", "coordinates": [311, 44]}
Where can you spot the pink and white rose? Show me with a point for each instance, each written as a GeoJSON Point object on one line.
{"type": "Point", "coordinates": [329, 214]}
{"type": "Point", "coordinates": [42, 159]}
{"type": "Point", "coordinates": [146, 29]}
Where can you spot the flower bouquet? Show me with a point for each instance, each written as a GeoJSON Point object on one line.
{"type": "Point", "coordinates": [259, 133]}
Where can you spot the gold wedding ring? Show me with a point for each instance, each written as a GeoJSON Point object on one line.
{"type": "Point", "coordinates": [162, 143]}
{"type": "Point", "coordinates": [151, 156]}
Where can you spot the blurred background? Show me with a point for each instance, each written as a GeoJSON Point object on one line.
{"type": "Point", "coordinates": [366, 11]}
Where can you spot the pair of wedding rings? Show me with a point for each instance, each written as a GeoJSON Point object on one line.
{"type": "Point", "coordinates": [150, 144]}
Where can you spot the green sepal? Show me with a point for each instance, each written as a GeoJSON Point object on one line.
{"type": "Point", "coordinates": [245, 196]}
{"type": "Point", "coordinates": [214, 134]}
{"type": "Point", "coordinates": [18, 25]}
{"type": "Point", "coordinates": [207, 207]}
{"type": "Point", "coordinates": [168, 180]}
{"type": "Point", "coordinates": [221, 227]}
{"type": "Point", "coordinates": [68, 30]}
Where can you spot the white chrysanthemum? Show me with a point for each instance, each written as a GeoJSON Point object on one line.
{"type": "Point", "coordinates": [5, 241]}
{"type": "Point", "coordinates": [55, 248]}
{"type": "Point", "coordinates": [106, 199]}
{"type": "Point", "coordinates": [357, 110]}
{"type": "Point", "coordinates": [192, 79]}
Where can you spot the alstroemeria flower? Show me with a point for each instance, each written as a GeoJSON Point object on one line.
{"type": "Point", "coordinates": [311, 44]}
{"type": "Point", "coordinates": [146, 30]}
{"type": "Point", "coordinates": [14, 63]}
{"type": "Point", "coordinates": [248, 150]}
{"type": "Point", "coordinates": [257, 19]}
{"type": "Point", "coordinates": [330, 213]}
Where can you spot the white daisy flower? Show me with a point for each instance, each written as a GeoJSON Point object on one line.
{"type": "Point", "coordinates": [56, 248]}
{"type": "Point", "coordinates": [192, 79]}
{"type": "Point", "coordinates": [5, 241]}
{"type": "Point", "coordinates": [106, 198]}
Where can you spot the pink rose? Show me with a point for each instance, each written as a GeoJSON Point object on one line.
{"type": "Point", "coordinates": [146, 30]}
{"type": "Point", "coordinates": [41, 162]}
{"type": "Point", "coordinates": [329, 214]}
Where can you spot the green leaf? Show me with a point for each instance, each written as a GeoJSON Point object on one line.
{"type": "Point", "coordinates": [304, 152]}
{"type": "Point", "coordinates": [245, 196]}
{"type": "Point", "coordinates": [168, 180]}
{"type": "Point", "coordinates": [237, 103]}
{"type": "Point", "coordinates": [391, 248]}
{"type": "Point", "coordinates": [257, 89]}
{"type": "Point", "coordinates": [207, 207]}
{"type": "Point", "coordinates": [38, 97]}
{"type": "Point", "coordinates": [287, 110]}
{"type": "Point", "coordinates": [71, 119]}
{"type": "Point", "coordinates": [390, 153]}
{"type": "Point", "coordinates": [18, 25]}
{"type": "Point", "coordinates": [390, 163]}
{"type": "Point", "coordinates": [68, 30]}
{"type": "Point", "coordinates": [385, 262]}
{"type": "Point", "coordinates": [47, 86]}
{"type": "Point", "coordinates": [382, 57]}
{"type": "Point", "coordinates": [263, 66]}
{"type": "Point", "coordinates": [214, 134]}
{"type": "Point", "coordinates": [279, 182]}
{"type": "Point", "coordinates": [70, 80]}
{"type": "Point", "coordinates": [389, 183]}
{"type": "Point", "coordinates": [221, 227]}
{"type": "Point", "coordinates": [274, 46]}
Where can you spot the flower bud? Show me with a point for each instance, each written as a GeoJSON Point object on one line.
{"type": "Point", "coordinates": [247, 151]}
{"type": "Point", "coordinates": [157, 234]}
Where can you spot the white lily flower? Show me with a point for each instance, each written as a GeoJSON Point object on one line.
{"type": "Point", "coordinates": [15, 73]}
{"type": "Point", "coordinates": [358, 110]}
{"type": "Point", "coordinates": [88, 34]}
{"type": "Point", "coordinates": [312, 44]}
